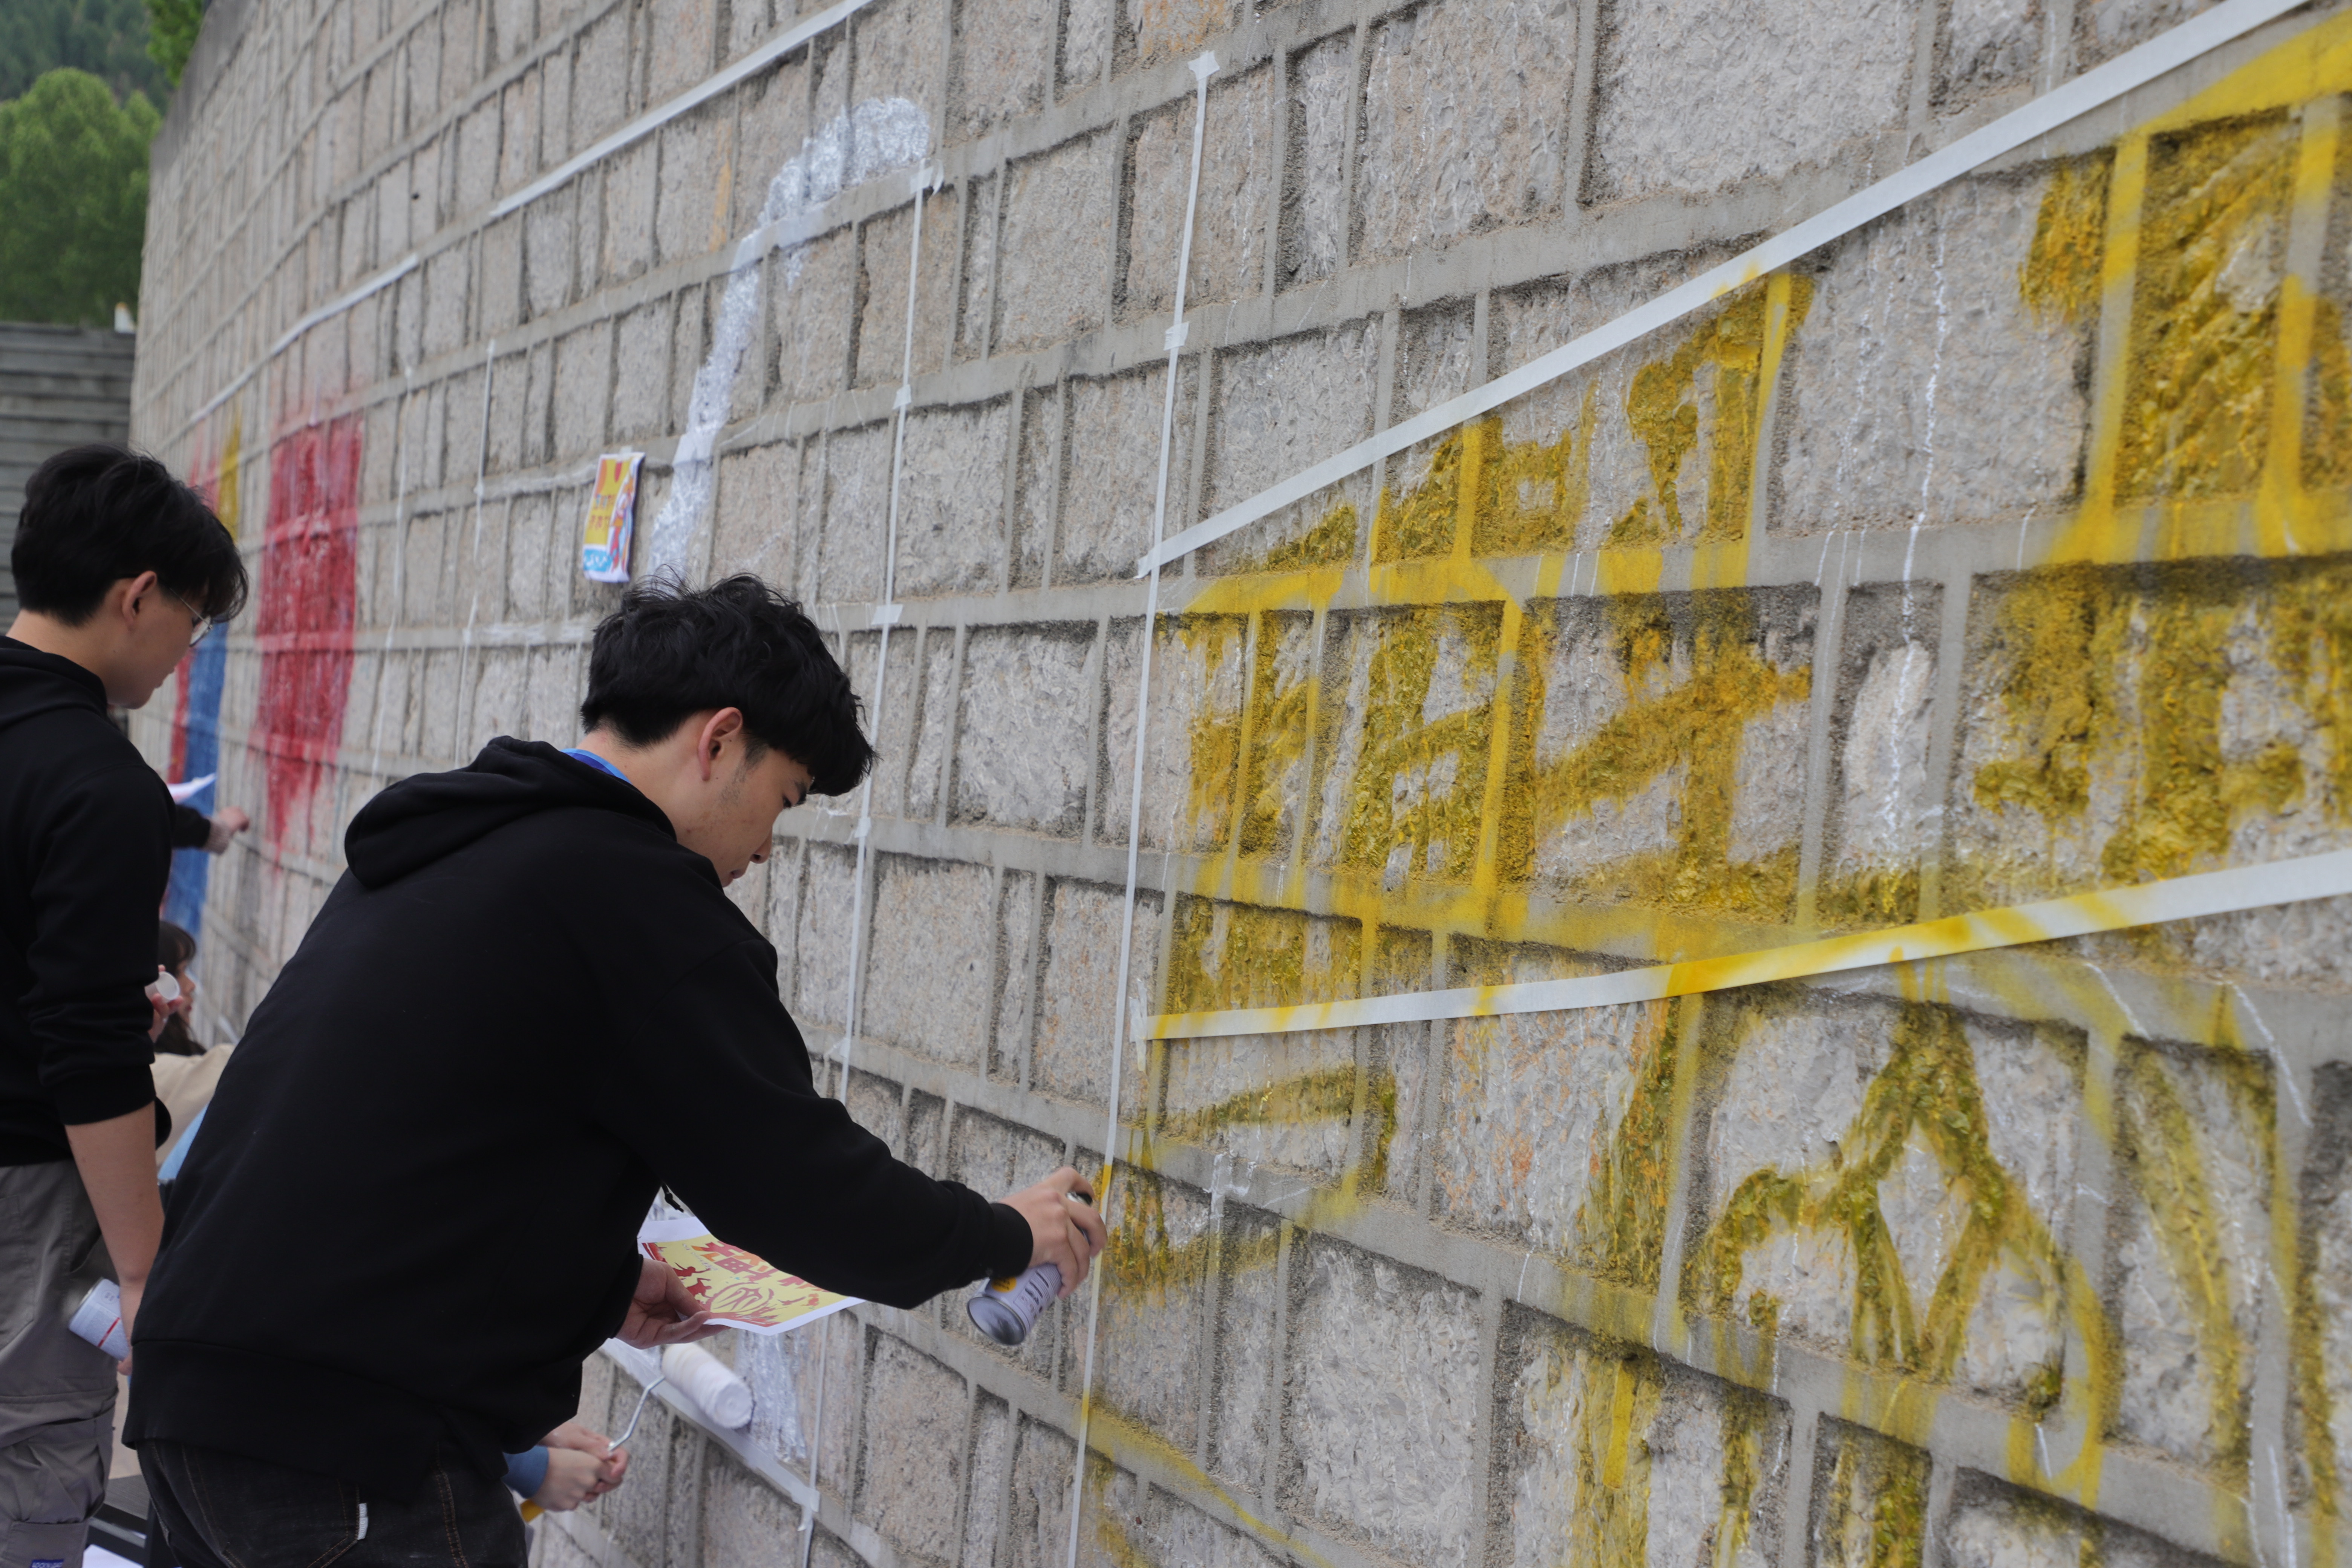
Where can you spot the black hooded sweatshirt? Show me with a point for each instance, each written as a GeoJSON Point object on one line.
{"type": "Point", "coordinates": [411, 1211]}
{"type": "Point", "coordinates": [86, 831]}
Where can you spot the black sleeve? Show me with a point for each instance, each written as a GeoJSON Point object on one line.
{"type": "Point", "coordinates": [101, 866]}
{"type": "Point", "coordinates": [712, 1090]}
{"type": "Point", "coordinates": [190, 828]}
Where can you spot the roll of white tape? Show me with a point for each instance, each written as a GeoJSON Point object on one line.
{"type": "Point", "coordinates": [704, 1378]}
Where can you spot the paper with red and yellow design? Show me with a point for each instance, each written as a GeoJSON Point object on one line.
{"type": "Point", "coordinates": [738, 1288]}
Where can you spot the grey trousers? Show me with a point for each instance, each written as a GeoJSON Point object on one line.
{"type": "Point", "coordinates": [57, 1393]}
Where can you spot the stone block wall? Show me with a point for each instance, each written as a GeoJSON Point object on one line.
{"type": "Point", "coordinates": [2001, 549]}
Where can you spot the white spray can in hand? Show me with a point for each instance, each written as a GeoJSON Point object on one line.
{"type": "Point", "coordinates": [99, 1319]}
{"type": "Point", "coordinates": [1007, 1310]}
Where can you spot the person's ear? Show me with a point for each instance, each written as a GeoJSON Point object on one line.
{"type": "Point", "coordinates": [721, 732]}
{"type": "Point", "coordinates": [143, 583]}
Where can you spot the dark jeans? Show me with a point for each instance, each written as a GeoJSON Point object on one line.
{"type": "Point", "coordinates": [224, 1511]}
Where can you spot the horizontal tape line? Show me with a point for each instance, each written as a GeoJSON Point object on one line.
{"type": "Point", "coordinates": [653, 119]}
{"type": "Point", "coordinates": [2082, 914]}
{"type": "Point", "coordinates": [375, 285]}
{"type": "Point", "coordinates": [2167, 52]}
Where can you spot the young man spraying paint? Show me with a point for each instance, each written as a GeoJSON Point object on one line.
{"type": "Point", "coordinates": [528, 1004]}
{"type": "Point", "coordinates": [121, 569]}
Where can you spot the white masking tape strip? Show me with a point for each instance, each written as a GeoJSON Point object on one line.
{"type": "Point", "coordinates": [653, 119]}
{"type": "Point", "coordinates": [375, 285]}
{"type": "Point", "coordinates": [2167, 52]}
{"type": "Point", "coordinates": [2083, 914]}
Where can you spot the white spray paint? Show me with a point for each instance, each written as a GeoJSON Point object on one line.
{"type": "Point", "coordinates": [875, 137]}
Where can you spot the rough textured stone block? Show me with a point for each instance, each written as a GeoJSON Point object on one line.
{"type": "Point", "coordinates": [1550, 1125]}
{"type": "Point", "coordinates": [1059, 222]}
{"type": "Point", "coordinates": [1085, 42]}
{"type": "Point", "coordinates": [1383, 1388]}
{"type": "Point", "coordinates": [444, 301]}
{"type": "Point", "coordinates": [883, 257]}
{"type": "Point", "coordinates": [1281, 1100]}
{"type": "Point", "coordinates": [1987, 45]}
{"type": "Point", "coordinates": [1322, 111]}
{"type": "Point", "coordinates": [760, 512]}
{"type": "Point", "coordinates": [478, 156]}
{"type": "Point", "coordinates": [1836, 1125]}
{"type": "Point", "coordinates": [991, 1479]}
{"type": "Point", "coordinates": [1192, 737]}
{"type": "Point", "coordinates": [745, 1522]}
{"type": "Point", "coordinates": [1077, 991]}
{"type": "Point", "coordinates": [1870, 1500]}
{"type": "Point", "coordinates": [641, 373]}
{"type": "Point", "coordinates": [951, 499]}
{"type": "Point", "coordinates": [1465, 122]}
{"type": "Point", "coordinates": [1653, 443]}
{"type": "Point", "coordinates": [2069, 776]}
{"type": "Point", "coordinates": [1697, 95]}
{"type": "Point", "coordinates": [1174, 1533]}
{"type": "Point", "coordinates": [1021, 744]}
{"type": "Point", "coordinates": [910, 1478]}
{"type": "Point", "coordinates": [783, 1373]}
{"type": "Point", "coordinates": [770, 124]}
{"type": "Point", "coordinates": [1402, 763]}
{"type": "Point", "coordinates": [2191, 1231]}
{"type": "Point", "coordinates": [696, 170]}
{"type": "Point", "coordinates": [1110, 468]}
{"type": "Point", "coordinates": [821, 993]}
{"type": "Point", "coordinates": [583, 372]}
{"type": "Point", "coordinates": [1155, 1306]}
{"type": "Point", "coordinates": [1229, 225]}
{"type": "Point", "coordinates": [1884, 818]}
{"type": "Point", "coordinates": [857, 514]}
{"type": "Point", "coordinates": [682, 34]}
{"type": "Point", "coordinates": [1610, 1456]}
{"type": "Point", "coordinates": [976, 314]}
{"type": "Point", "coordinates": [1992, 1524]}
{"type": "Point", "coordinates": [811, 294]}
{"type": "Point", "coordinates": [1934, 379]}
{"type": "Point", "coordinates": [901, 49]}
{"type": "Point", "coordinates": [1038, 1533]}
{"type": "Point", "coordinates": [930, 958]}
{"type": "Point", "coordinates": [550, 229]}
{"type": "Point", "coordinates": [2320, 1393]}
{"type": "Point", "coordinates": [1003, 56]}
{"type": "Point", "coordinates": [1709, 819]}
{"type": "Point", "coordinates": [1242, 1420]}
{"type": "Point", "coordinates": [631, 183]}
{"type": "Point", "coordinates": [926, 762]}
{"type": "Point", "coordinates": [1280, 407]}
{"type": "Point", "coordinates": [1016, 986]}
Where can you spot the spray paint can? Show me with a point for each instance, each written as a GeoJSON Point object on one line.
{"type": "Point", "coordinates": [99, 1319]}
{"type": "Point", "coordinates": [1007, 1310]}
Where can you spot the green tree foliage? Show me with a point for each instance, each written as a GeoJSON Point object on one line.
{"type": "Point", "coordinates": [73, 199]}
{"type": "Point", "coordinates": [108, 38]}
{"type": "Point", "coordinates": [171, 33]}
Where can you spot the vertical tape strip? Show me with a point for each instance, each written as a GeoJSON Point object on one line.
{"type": "Point", "coordinates": [399, 562]}
{"type": "Point", "coordinates": [465, 705]}
{"type": "Point", "coordinates": [884, 616]}
{"type": "Point", "coordinates": [1202, 68]}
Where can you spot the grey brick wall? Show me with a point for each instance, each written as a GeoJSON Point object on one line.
{"type": "Point", "coordinates": [1995, 551]}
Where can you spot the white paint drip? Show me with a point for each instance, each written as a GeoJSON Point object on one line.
{"type": "Point", "coordinates": [877, 137]}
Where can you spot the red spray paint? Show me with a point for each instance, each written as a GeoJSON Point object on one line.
{"type": "Point", "coordinates": [309, 603]}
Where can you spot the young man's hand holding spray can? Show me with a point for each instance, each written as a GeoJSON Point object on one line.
{"type": "Point", "coordinates": [1007, 1310]}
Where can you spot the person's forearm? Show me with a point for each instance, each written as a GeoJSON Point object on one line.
{"type": "Point", "coordinates": [116, 1161]}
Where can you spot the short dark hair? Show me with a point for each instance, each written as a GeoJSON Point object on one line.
{"type": "Point", "coordinates": [94, 515]}
{"type": "Point", "coordinates": [668, 652]}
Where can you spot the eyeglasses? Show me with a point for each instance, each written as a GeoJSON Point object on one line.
{"type": "Point", "coordinates": [198, 624]}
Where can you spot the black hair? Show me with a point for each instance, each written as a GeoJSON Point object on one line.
{"type": "Point", "coordinates": [668, 652]}
{"type": "Point", "coordinates": [175, 950]}
{"type": "Point", "coordinates": [94, 515]}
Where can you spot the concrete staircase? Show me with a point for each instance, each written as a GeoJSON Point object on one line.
{"type": "Point", "coordinates": [59, 386]}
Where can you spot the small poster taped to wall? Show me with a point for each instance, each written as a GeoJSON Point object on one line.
{"type": "Point", "coordinates": [611, 519]}
{"type": "Point", "coordinates": [738, 1288]}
